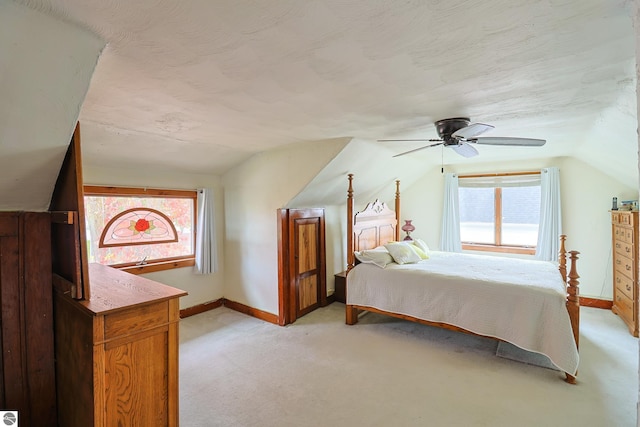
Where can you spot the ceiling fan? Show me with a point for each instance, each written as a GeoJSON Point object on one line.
{"type": "Point", "coordinates": [458, 134]}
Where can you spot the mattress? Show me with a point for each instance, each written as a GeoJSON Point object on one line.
{"type": "Point", "coordinates": [519, 301]}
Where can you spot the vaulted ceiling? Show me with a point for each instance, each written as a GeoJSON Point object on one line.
{"type": "Point", "coordinates": [200, 86]}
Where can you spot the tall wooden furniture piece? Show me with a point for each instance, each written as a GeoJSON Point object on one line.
{"type": "Point", "coordinates": [116, 334]}
{"type": "Point", "coordinates": [27, 375]}
{"type": "Point", "coordinates": [624, 232]}
{"type": "Point", "coordinates": [117, 353]}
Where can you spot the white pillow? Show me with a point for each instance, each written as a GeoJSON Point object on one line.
{"type": "Point", "coordinates": [403, 253]}
{"type": "Point", "coordinates": [378, 256]}
{"type": "Point", "coordinates": [422, 245]}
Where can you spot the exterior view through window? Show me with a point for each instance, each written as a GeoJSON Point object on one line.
{"type": "Point", "coordinates": [499, 212]}
{"type": "Point", "coordinates": [138, 227]}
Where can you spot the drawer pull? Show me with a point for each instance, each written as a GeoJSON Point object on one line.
{"type": "Point", "coordinates": [629, 288]}
{"type": "Point", "coordinates": [628, 267]}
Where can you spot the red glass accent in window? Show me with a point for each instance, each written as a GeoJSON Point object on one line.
{"type": "Point", "coordinates": [138, 226]}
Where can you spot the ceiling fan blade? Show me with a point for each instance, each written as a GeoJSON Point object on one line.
{"type": "Point", "coordinates": [472, 130]}
{"type": "Point", "coordinates": [465, 150]}
{"type": "Point", "coordinates": [418, 149]}
{"type": "Point", "coordinates": [524, 142]}
{"type": "Point", "coordinates": [409, 140]}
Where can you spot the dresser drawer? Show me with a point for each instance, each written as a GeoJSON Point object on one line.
{"type": "Point", "coordinates": [136, 319]}
{"type": "Point", "coordinates": [623, 218]}
{"type": "Point", "coordinates": [623, 248]}
{"type": "Point", "coordinates": [623, 234]}
{"type": "Point", "coordinates": [625, 266]}
{"type": "Point", "coordinates": [623, 284]}
{"type": "Point", "coordinates": [624, 307]}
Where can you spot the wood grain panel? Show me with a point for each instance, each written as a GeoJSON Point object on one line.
{"type": "Point", "coordinates": [307, 247]}
{"type": "Point", "coordinates": [9, 224]}
{"type": "Point", "coordinates": [135, 320]}
{"type": "Point", "coordinates": [38, 317]}
{"type": "Point", "coordinates": [74, 363]}
{"type": "Point", "coordinates": [70, 255]}
{"type": "Point", "coordinates": [15, 392]}
{"type": "Point", "coordinates": [307, 292]}
{"type": "Point", "coordinates": [137, 394]}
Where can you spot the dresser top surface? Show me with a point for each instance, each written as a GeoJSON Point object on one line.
{"type": "Point", "coordinates": [112, 290]}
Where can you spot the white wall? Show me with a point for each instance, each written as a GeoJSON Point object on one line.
{"type": "Point", "coordinates": [45, 70]}
{"type": "Point", "coordinates": [254, 191]}
{"type": "Point", "coordinates": [586, 199]}
{"type": "Point", "coordinates": [201, 288]}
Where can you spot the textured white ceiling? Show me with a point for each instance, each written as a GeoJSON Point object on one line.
{"type": "Point", "coordinates": [202, 85]}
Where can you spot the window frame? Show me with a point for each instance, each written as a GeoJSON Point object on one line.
{"type": "Point", "coordinates": [161, 263]}
{"type": "Point", "coordinates": [497, 200]}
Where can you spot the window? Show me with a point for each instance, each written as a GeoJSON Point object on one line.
{"type": "Point", "coordinates": [500, 212]}
{"type": "Point", "coordinates": [140, 230]}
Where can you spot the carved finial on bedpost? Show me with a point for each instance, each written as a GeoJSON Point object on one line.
{"type": "Point", "coordinates": [397, 210]}
{"type": "Point", "coordinates": [562, 258]}
{"type": "Point", "coordinates": [573, 296]}
{"type": "Point", "coordinates": [350, 257]}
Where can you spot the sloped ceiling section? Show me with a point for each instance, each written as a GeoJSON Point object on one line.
{"type": "Point", "coordinates": [203, 85]}
{"type": "Point", "coordinates": [374, 176]}
{"type": "Point", "coordinates": [45, 75]}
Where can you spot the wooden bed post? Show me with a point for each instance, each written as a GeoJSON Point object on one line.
{"type": "Point", "coordinates": [350, 256]}
{"type": "Point", "coordinates": [573, 305]}
{"type": "Point", "coordinates": [398, 223]}
{"type": "Point", "coordinates": [562, 258]}
{"type": "Point", "coordinates": [573, 297]}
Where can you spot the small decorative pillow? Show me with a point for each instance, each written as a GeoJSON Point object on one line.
{"type": "Point", "coordinates": [422, 245]}
{"type": "Point", "coordinates": [378, 256]}
{"type": "Point", "coordinates": [403, 253]}
{"type": "Point", "coordinates": [420, 252]}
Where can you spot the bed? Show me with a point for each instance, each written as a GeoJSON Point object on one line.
{"type": "Point", "coordinates": [531, 304]}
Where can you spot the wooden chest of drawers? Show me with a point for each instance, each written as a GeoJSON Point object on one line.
{"type": "Point", "coordinates": [624, 232]}
{"type": "Point", "coordinates": [117, 353]}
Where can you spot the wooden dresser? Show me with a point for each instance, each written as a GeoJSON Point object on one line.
{"type": "Point", "coordinates": [624, 231]}
{"type": "Point", "coordinates": [117, 352]}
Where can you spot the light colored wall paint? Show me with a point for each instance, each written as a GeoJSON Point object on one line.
{"type": "Point", "coordinates": [46, 66]}
{"type": "Point", "coordinates": [254, 192]}
{"type": "Point", "coordinates": [586, 198]}
{"type": "Point", "coordinates": [201, 288]}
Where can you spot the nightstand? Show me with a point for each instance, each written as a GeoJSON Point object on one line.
{"type": "Point", "coordinates": [340, 293]}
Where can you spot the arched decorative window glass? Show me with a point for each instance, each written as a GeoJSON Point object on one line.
{"type": "Point", "coordinates": [138, 226]}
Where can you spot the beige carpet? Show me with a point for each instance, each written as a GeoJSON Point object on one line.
{"type": "Point", "coordinates": [239, 371]}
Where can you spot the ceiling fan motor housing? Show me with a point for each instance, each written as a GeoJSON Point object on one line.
{"type": "Point", "coordinates": [447, 127]}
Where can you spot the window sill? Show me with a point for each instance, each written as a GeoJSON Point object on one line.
{"type": "Point", "coordinates": [157, 266]}
{"type": "Point", "coordinates": [519, 250]}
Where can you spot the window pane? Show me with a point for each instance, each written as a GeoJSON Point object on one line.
{"type": "Point", "coordinates": [520, 215]}
{"type": "Point", "coordinates": [477, 215]}
{"type": "Point", "coordinates": [100, 209]}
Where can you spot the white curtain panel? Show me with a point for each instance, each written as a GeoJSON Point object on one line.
{"type": "Point", "coordinates": [550, 215]}
{"type": "Point", "coordinates": [450, 240]}
{"type": "Point", "coordinates": [206, 256]}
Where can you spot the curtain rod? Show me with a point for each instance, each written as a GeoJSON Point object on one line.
{"type": "Point", "coordinates": [485, 175]}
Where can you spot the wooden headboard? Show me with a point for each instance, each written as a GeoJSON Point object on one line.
{"type": "Point", "coordinates": [372, 227]}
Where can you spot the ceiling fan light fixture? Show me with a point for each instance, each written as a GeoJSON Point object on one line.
{"type": "Point", "coordinates": [457, 133]}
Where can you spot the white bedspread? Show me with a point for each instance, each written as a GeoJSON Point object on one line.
{"type": "Point", "coordinates": [516, 300]}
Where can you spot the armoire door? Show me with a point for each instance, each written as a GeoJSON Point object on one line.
{"type": "Point", "coordinates": [302, 259]}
